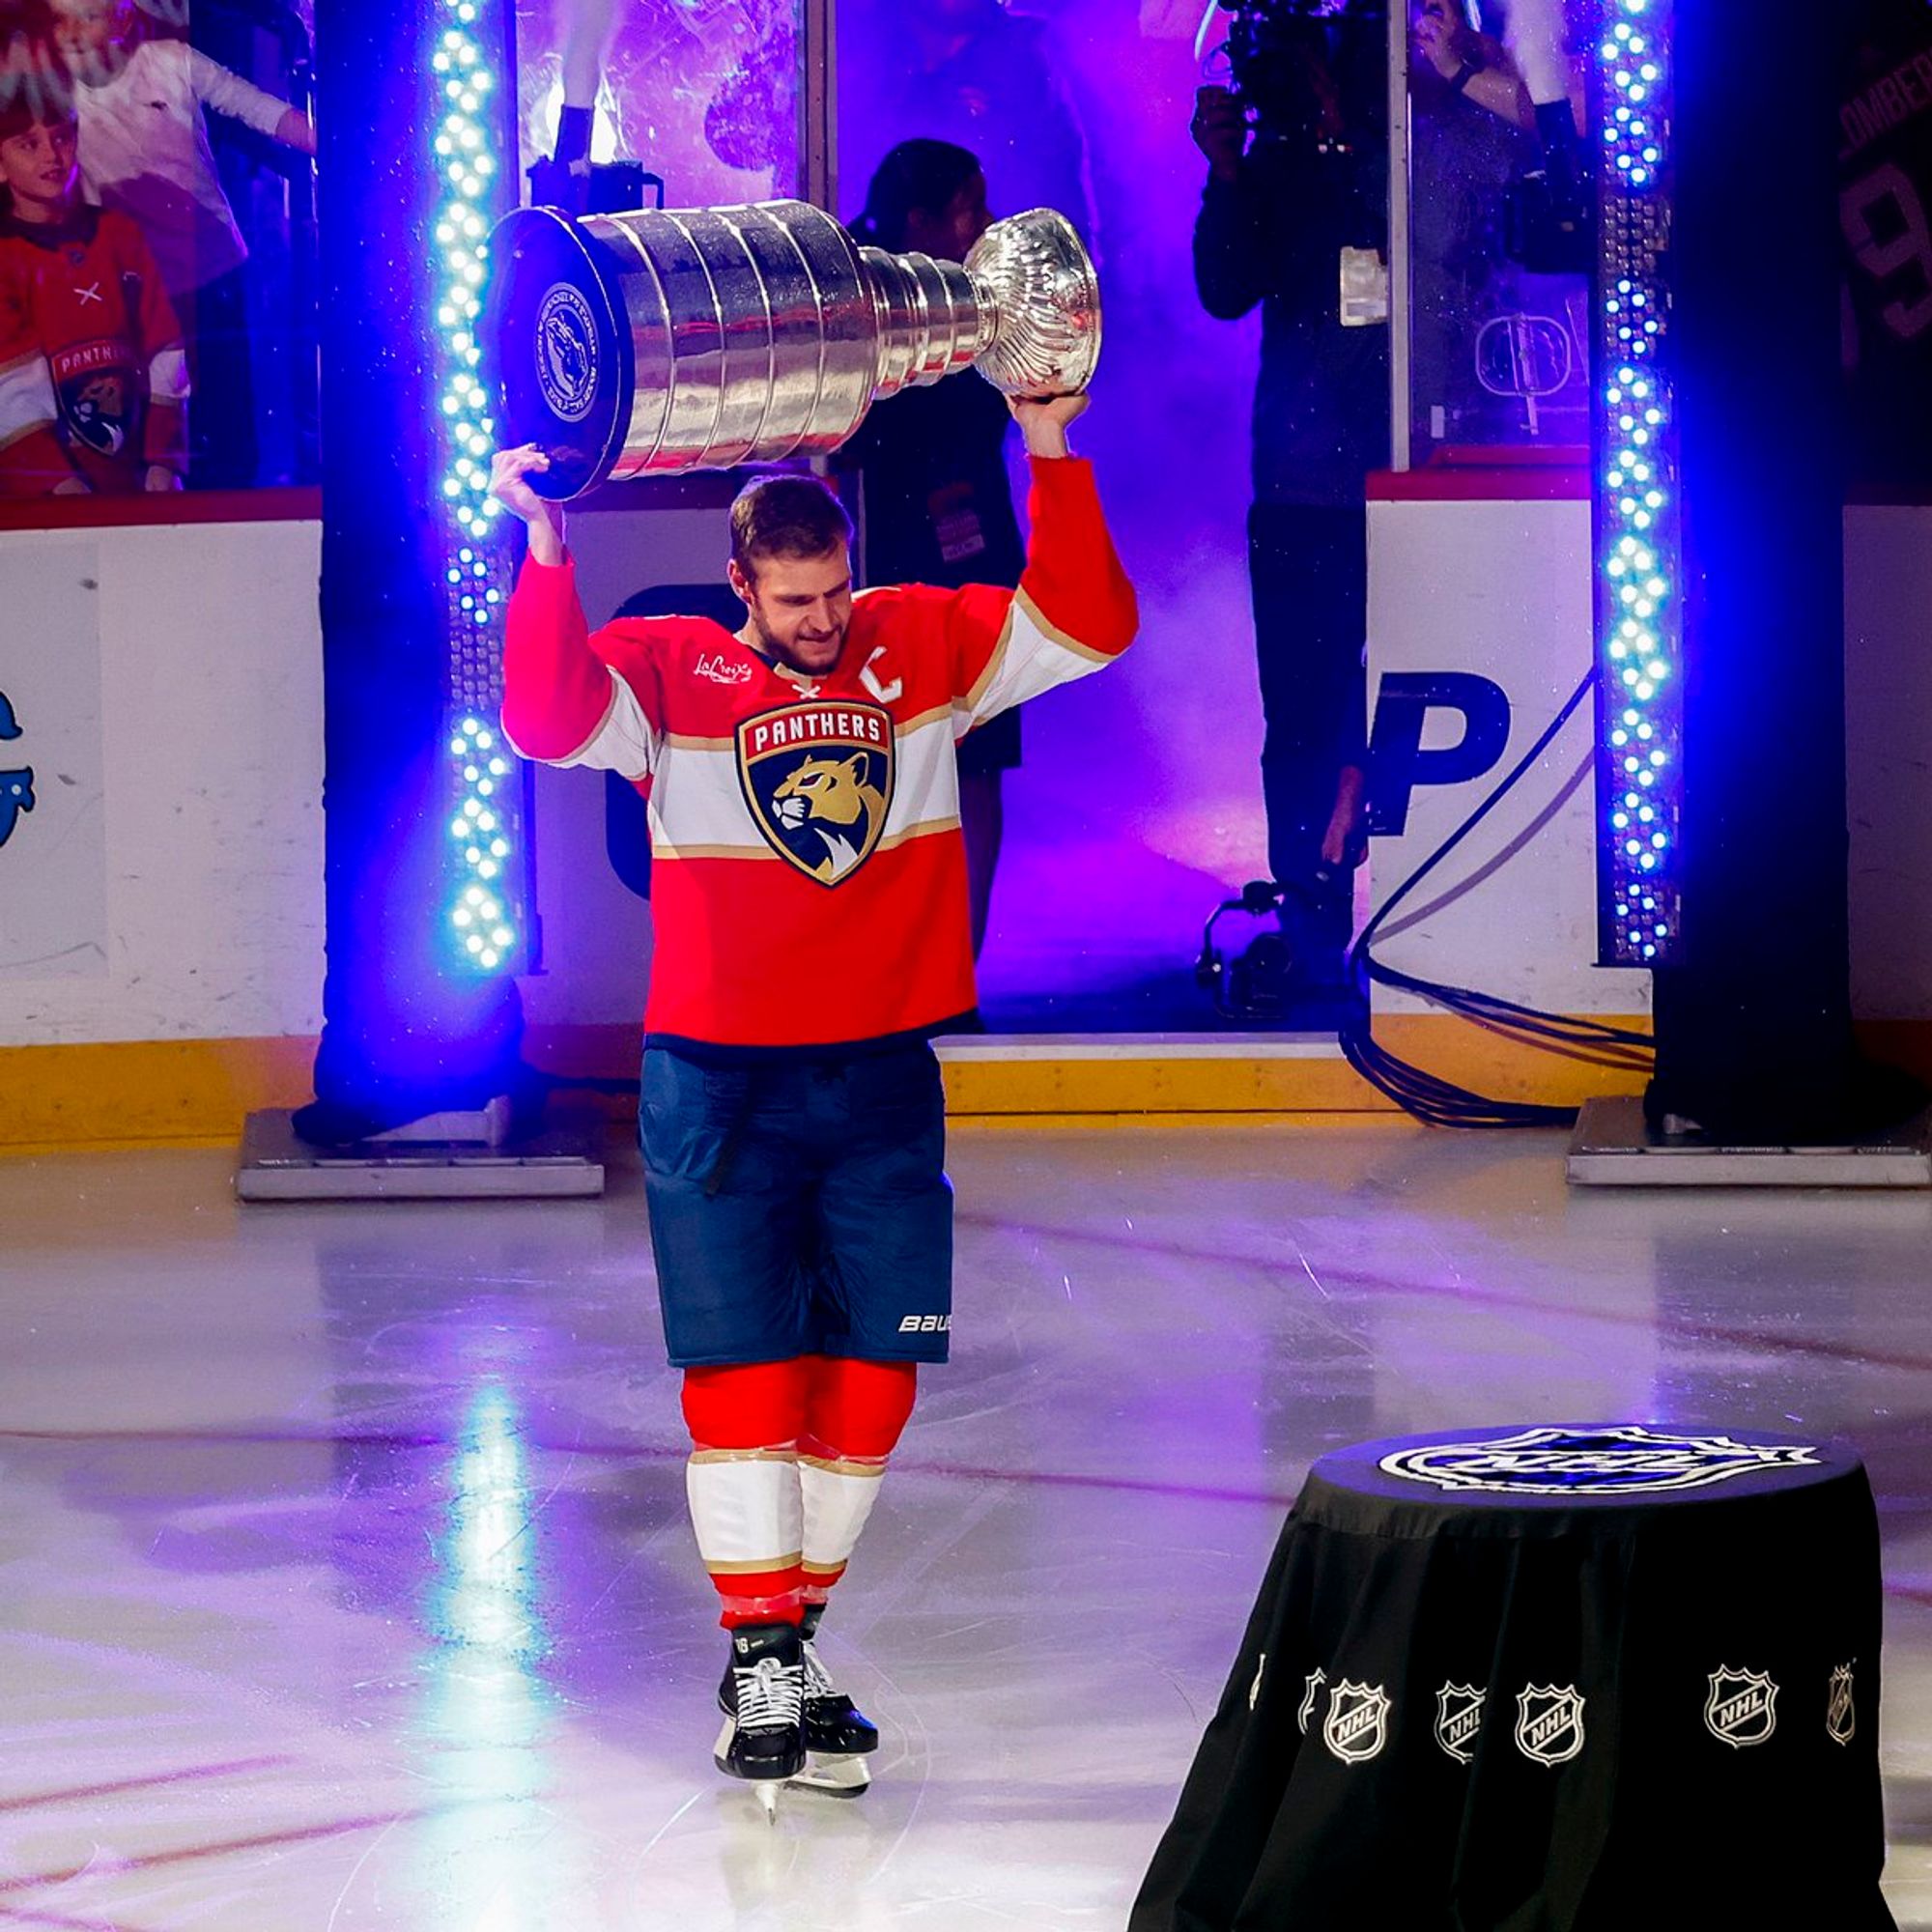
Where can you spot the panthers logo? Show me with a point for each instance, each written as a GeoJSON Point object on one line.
{"type": "Point", "coordinates": [818, 778]}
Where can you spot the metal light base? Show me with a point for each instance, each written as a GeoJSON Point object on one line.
{"type": "Point", "coordinates": [1613, 1146]}
{"type": "Point", "coordinates": [277, 1165]}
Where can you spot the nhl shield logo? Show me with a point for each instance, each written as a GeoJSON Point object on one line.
{"type": "Point", "coordinates": [818, 778]}
{"type": "Point", "coordinates": [1358, 1722]}
{"type": "Point", "coordinates": [1842, 1718]}
{"type": "Point", "coordinates": [1458, 1716]}
{"type": "Point", "coordinates": [1311, 1690]}
{"type": "Point", "coordinates": [1624, 1459]}
{"type": "Point", "coordinates": [1550, 1722]}
{"type": "Point", "coordinates": [1742, 1708]}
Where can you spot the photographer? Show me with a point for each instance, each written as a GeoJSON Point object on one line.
{"type": "Point", "coordinates": [1286, 196]}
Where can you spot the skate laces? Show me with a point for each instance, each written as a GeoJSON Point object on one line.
{"type": "Point", "coordinates": [769, 1693]}
{"type": "Point", "coordinates": [818, 1679]}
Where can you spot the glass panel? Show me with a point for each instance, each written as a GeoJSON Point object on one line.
{"type": "Point", "coordinates": [701, 92]}
{"type": "Point", "coordinates": [1499, 348]}
{"type": "Point", "coordinates": [182, 349]}
{"type": "Point", "coordinates": [1130, 803]}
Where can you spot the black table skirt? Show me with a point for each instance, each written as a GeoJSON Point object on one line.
{"type": "Point", "coordinates": [1566, 1706]}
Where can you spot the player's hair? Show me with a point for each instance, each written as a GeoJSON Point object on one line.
{"type": "Point", "coordinates": [916, 174]}
{"type": "Point", "coordinates": [785, 516]}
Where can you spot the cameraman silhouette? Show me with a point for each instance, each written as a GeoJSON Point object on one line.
{"type": "Point", "coordinates": [1295, 198]}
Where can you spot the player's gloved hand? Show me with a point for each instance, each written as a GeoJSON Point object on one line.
{"type": "Point", "coordinates": [509, 473]}
{"type": "Point", "coordinates": [1220, 130]}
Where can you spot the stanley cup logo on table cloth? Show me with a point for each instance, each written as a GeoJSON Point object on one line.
{"type": "Point", "coordinates": [667, 340]}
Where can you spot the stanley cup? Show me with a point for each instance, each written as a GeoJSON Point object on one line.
{"type": "Point", "coordinates": [667, 340]}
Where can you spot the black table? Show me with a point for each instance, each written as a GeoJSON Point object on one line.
{"type": "Point", "coordinates": [1602, 1679]}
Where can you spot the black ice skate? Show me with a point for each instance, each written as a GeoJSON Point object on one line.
{"type": "Point", "coordinates": [763, 1701]}
{"type": "Point", "coordinates": [837, 1734]}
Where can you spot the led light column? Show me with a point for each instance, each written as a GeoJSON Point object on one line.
{"type": "Point", "coordinates": [481, 915]}
{"type": "Point", "coordinates": [424, 872]}
{"type": "Point", "coordinates": [1637, 527]}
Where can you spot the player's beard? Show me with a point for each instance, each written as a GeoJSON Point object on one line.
{"type": "Point", "coordinates": [786, 654]}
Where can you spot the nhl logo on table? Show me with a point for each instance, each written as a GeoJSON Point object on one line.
{"type": "Point", "coordinates": [1550, 1722]}
{"type": "Point", "coordinates": [1311, 1691]}
{"type": "Point", "coordinates": [1458, 1716]}
{"type": "Point", "coordinates": [1624, 1459]}
{"type": "Point", "coordinates": [1358, 1722]}
{"type": "Point", "coordinates": [1742, 1708]}
{"type": "Point", "coordinates": [1840, 1713]}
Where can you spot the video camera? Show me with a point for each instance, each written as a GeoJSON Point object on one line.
{"type": "Point", "coordinates": [1274, 47]}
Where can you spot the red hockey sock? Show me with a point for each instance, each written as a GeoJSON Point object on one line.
{"type": "Point", "coordinates": [743, 1483]}
{"type": "Point", "coordinates": [854, 1415]}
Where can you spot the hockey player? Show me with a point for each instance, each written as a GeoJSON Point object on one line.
{"type": "Point", "coordinates": [92, 377]}
{"type": "Point", "coordinates": [811, 938]}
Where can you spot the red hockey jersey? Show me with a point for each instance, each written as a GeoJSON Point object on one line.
{"type": "Point", "coordinates": [808, 873]}
{"type": "Point", "coordinates": [93, 377]}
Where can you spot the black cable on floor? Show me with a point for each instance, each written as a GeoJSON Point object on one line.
{"type": "Point", "coordinates": [1428, 1096]}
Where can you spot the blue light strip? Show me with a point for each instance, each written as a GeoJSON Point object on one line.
{"type": "Point", "coordinates": [1638, 517]}
{"type": "Point", "coordinates": [484, 920]}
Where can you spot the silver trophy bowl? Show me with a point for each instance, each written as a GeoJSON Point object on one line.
{"type": "Point", "coordinates": [661, 341]}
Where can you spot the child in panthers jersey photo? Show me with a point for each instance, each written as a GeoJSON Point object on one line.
{"type": "Point", "coordinates": [93, 374]}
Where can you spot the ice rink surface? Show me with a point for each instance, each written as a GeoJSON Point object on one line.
{"type": "Point", "coordinates": [347, 1583]}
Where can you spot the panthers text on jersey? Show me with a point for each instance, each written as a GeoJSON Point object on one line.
{"type": "Point", "coordinates": [808, 871]}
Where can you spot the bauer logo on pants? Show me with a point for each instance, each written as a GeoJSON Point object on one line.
{"type": "Point", "coordinates": [818, 778]}
{"type": "Point", "coordinates": [1357, 1724]}
{"type": "Point", "coordinates": [927, 1324]}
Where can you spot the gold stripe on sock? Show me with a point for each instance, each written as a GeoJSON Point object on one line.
{"type": "Point", "coordinates": [783, 1453]}
{"type": "Point", "coordinates": [765, 1565]}
{"type": "Point", "coordinates": [845, 1466]}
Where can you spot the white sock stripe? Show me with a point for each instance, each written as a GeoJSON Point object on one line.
{"type": "Point", "coordinates": [836, 1509]}
{"type": "Point", "coordinates": [745, 1513]}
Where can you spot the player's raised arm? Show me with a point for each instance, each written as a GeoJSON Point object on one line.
{"type": "Point", "coordinates": [562, 703]}
{"type": "Point", "coordinates": [1075, 609]}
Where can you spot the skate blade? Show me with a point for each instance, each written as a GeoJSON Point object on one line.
{"type": "Point", "coordinates": [765, 1789]}
{"type": "Point", "coordinates": [835, 1777]}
